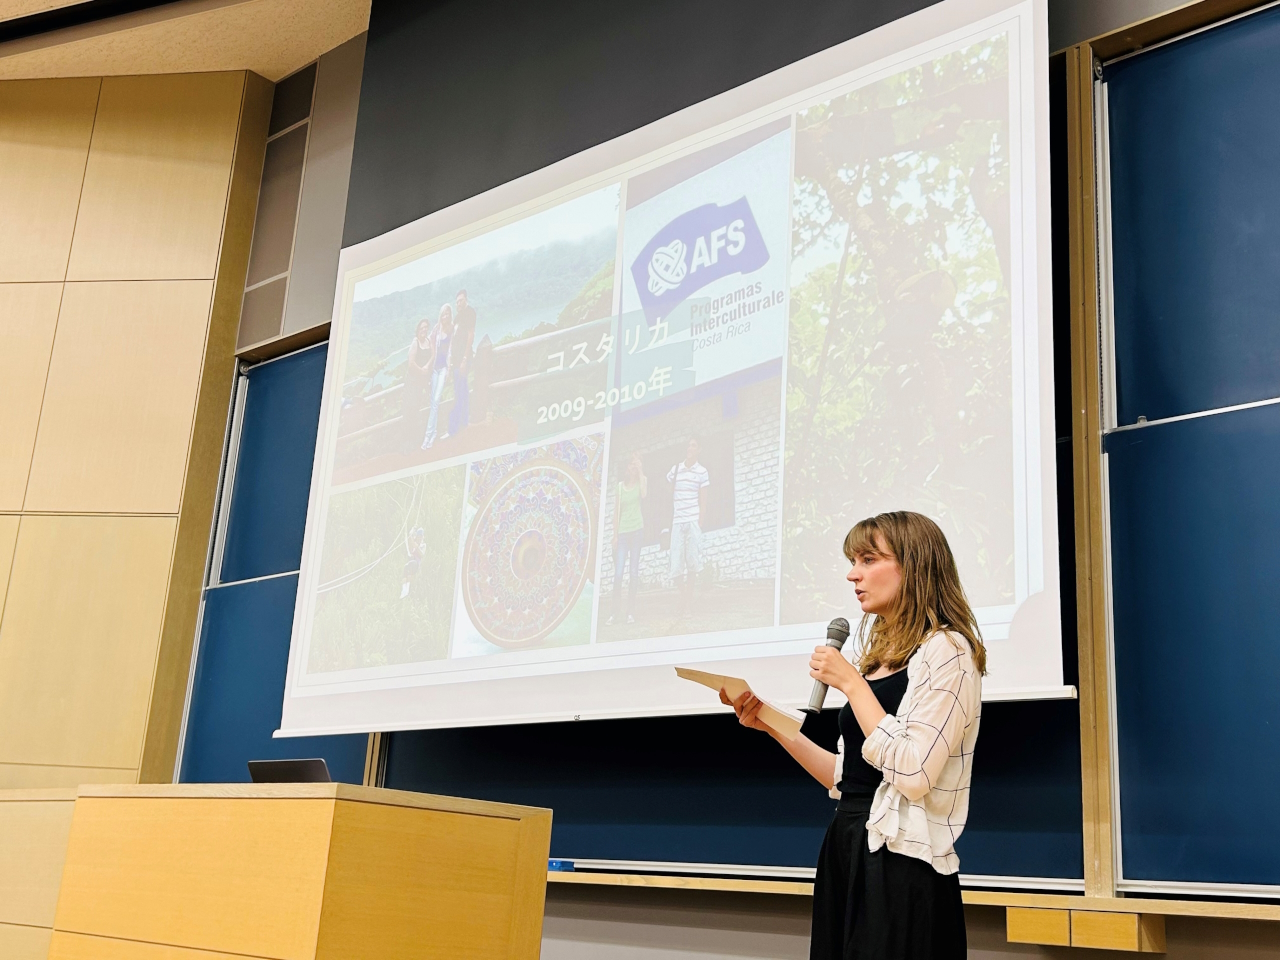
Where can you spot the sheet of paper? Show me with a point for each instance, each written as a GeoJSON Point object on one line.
{"type": "Point", "coordinates": [783, 719]}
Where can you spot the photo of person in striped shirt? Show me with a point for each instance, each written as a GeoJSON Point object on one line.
{"type": "Point", "coordinates": [691, 507]}
{"type": "Point", "coordinates": [689, 480]}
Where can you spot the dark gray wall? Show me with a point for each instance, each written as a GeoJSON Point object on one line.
{"type": "Point", "coordinates": [463, 95]}
{"type": "Point", "coordinates": [1072, 21]}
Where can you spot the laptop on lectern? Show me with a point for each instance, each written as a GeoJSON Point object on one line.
{"type": "Point", "coordinates": [314, 770]}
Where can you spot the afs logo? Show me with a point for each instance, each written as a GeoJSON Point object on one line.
{"type": "Point", "coordinates": [723, 239]}
{"type": "Point", "coordinates": [666, 267]}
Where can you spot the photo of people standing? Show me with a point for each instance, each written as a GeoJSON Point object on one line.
{"type": "Point", "coordinates": [441, 340]}
{"type": "Point", "coordinates": [628, 535]}
{"type": "Point", "coordinates": [503, 338]}
{"type": "Point", "coordinates": [689, 481]}
{"type": "Point", "coordinates": [417, 386]}
{"type": "Point", "coordinates": [438, 355]}
{"type": "Point", "coordinates": [461, 353]}
{"type": "Point", "coordinates": [690, 514]}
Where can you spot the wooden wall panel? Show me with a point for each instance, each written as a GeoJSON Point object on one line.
{"type": "Point", "coordinates": [120, 400]}
{"type": "Point", "coordinates": [27, 776]}
{"type": "Point", "coordinates": [120, 879]}
{"type": "Point", "coordinates": [8, 540]}
{"type": "Point", "coordinates": [208, 433]}
{"type": "Point", "coordinates": [452, 896]}
{"type": "Point", "coordinates": [75, 946]}
{"type": "Point", "coordinates": [79, 637]}
{"type": "Point", "coordinates": [45, 127]}
{"type": "Point", "coordinates": [24, 943]}
{"type": "Point", "coordinates": [28, 316]}
{"type": "Point", "coordinates": [114, 382]}
{"type": "Point", "coordinates": [155, 188]}
{"type": "Point", "coordinates": [34, 826]}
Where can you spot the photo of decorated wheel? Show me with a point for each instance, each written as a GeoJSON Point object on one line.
{"type": "Point", "coordinates": [528, 555]}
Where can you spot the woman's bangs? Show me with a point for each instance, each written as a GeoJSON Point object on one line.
{"type": "Point", "coordinates": [862, 540]}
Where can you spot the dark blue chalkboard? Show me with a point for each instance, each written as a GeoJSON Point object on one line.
{"type": "Point", "coordinates": [1194, 139]}
{"type": "Point", "coordinates": [239, 686]}
{"type": "Point", "coordinates": [1195, 546]}
{"type": "Point", "coordinates": [1195, 213]}
{"type": "Point", "coordinates": [244, 639]}
{"type": "Point", "coordinates": [273, 468]}
{"type": "Point", "coordinates": [705, 790]}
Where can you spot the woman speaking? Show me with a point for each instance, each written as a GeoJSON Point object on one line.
{"type": "Point", "coordinates": [887, 885]}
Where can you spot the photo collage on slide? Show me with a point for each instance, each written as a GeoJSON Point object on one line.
{"type": "Point", "coordinates": [653, 410]}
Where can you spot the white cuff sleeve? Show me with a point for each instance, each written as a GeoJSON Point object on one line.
{"type": "Point", "coordinates": [835, 779]}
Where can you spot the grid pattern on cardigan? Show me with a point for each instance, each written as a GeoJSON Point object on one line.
{"type": "Point", "coordinates": [925, 752]}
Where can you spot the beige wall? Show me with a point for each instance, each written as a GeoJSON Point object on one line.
{"type": "Point", "coordinates": [34, 827]}
{"type": "Point", "coordinates": [126, 205]}
{"type": "Point", "coordinates": [615, 923]}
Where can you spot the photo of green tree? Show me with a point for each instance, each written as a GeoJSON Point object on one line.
{"type": "Point", "coordinates": [900, 390]}
{"type": "Point", "coordinates": [387, 573]}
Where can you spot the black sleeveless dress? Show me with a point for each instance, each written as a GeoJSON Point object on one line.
{"type": "Point", "coordinates": [882, 905]}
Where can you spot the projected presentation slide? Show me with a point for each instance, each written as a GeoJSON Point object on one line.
{"type": "Point", "coordinates": [618, 415]}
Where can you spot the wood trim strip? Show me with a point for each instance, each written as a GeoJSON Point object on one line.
{"type": "Point", "coordinates": [675, 882]}
{"type": "Point", "coordinates": [1086, 399]}
{"type": "Point", "coordinates": [39, 795]}
{"type": "Point", "coordinates": [977, 898]}
{"type": "Point", "coordinates": [528, 902]}
{"type": "Point", "coordinates": [278, 346]}
{"type": "Point", "coordinates": [311, 791]}
{"type": "Point", "coordinates": [1169, 908]}
{"type": "Point", "coordinates": [1167, 26]}
{"type": "Point", "coordinates": [373, 760]}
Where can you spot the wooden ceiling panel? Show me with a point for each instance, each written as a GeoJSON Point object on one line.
{"type": "Point", "coordinates": [12, 9]}
{"type": "Point", "coordinates": [270, 37]}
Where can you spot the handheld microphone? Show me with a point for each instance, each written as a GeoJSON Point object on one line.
{"type": "Point", "coordinates": [837, 634]}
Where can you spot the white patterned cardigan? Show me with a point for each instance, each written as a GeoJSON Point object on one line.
{"type": "Point", "coordinates": [925, 752]}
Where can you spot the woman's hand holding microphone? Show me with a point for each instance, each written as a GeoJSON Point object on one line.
{"type": "Point", "coordinates": [829, 665]}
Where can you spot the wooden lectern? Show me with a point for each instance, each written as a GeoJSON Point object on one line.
{"type": "Point", "coordinates": [299, 871]}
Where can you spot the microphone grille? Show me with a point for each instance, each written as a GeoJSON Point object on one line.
{"type": "Point", "coordinates": [838, 632]}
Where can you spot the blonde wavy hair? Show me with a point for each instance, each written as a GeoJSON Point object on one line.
{"type": "Point", "coordinates": [930, 597]}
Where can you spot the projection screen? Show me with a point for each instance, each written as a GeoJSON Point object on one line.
{"type": "Point", "coordinates": [617, 415]}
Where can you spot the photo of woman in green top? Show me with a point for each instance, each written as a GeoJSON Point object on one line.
{"type": "Point", "coordinates": [628, 535]}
